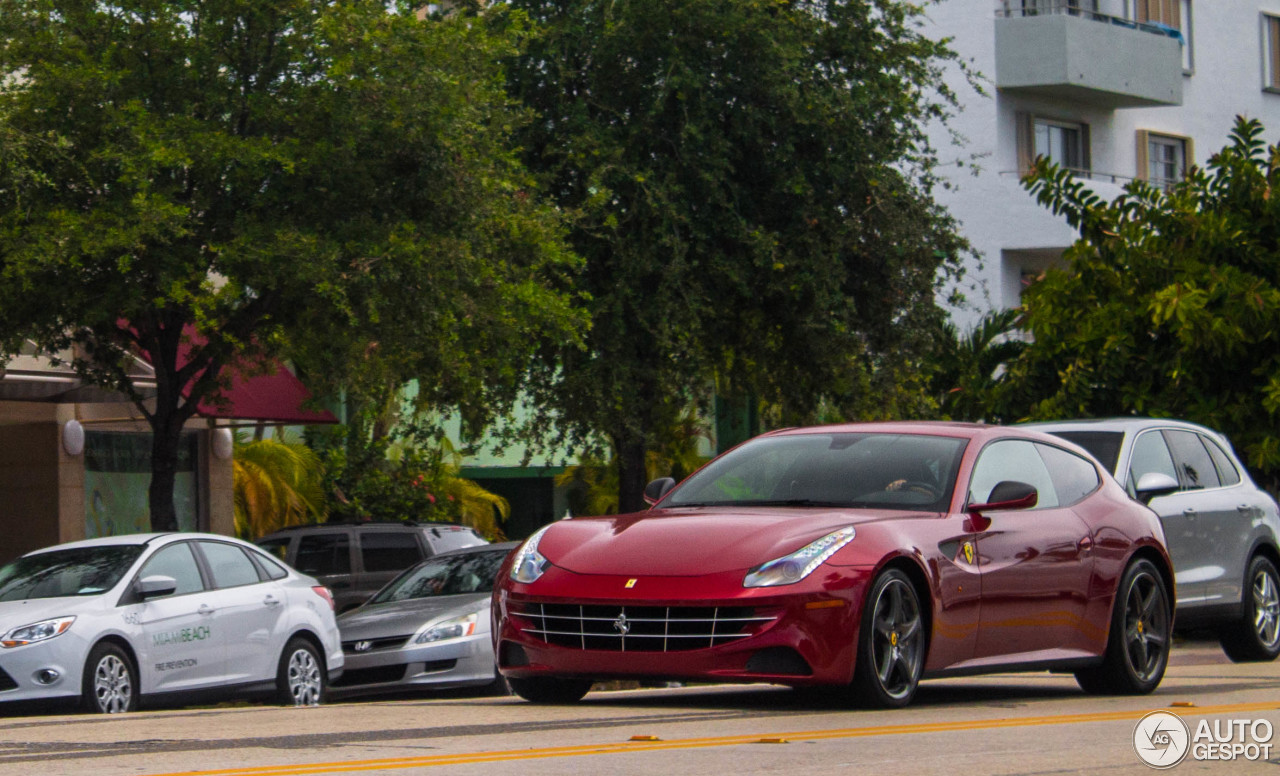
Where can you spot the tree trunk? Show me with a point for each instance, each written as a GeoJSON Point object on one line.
{"type": "Point", "coordinates": [632, 476]}
{"type": "Point", "coordinates": [166, 436]}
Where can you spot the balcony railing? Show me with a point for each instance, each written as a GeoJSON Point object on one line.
{"type": "Point", "coordinates": [1009, 10]}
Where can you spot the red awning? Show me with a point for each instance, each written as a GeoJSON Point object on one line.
{"type": "Point", "coordinates": [273, 395]}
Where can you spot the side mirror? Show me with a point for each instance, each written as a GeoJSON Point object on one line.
{"type": "Point", "coordinates": [155, 586]}
{"type": "Point", "coordinates": [654, 491]}
{"type": "Point", "coordinates": [1008, 495]}
{"type": "Point", "coordinates": [1153, 484]}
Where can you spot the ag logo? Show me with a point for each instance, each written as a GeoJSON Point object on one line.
{"type": "Point", "coordinates": [1161, 739]}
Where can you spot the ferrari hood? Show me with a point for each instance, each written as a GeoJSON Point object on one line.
{"type": "Point", "coordinates": [690, 542]}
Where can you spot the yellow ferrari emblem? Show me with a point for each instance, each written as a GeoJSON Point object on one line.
{"type": "Point", "coordinates": [893, 639]}
{"type": "Point", "coordinates": [631, 583]}
{"type": "Point", "coordinates": [968, 551]}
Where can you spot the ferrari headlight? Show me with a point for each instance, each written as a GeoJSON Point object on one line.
{"type": "Point", "coordinates": [36, 631]}
{"type": "Point", "coordinates": [799, 564]}
{"type": "Point", "coordinates": [529, 563]}
{"type": "Point", "coordinates": [455, 628]}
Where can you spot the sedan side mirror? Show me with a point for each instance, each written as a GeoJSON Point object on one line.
{"type": "Point", "coordinates": [1153, 484]}
{"type": "Point", "coordinates": [654, 491]}
{"type": "Point", "coordinates": [1008, 495]}
{"type": "Point", "coordinates": [155, 586]}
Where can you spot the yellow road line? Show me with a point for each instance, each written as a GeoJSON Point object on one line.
{"type": "Point", "coordinates": [397, 763]}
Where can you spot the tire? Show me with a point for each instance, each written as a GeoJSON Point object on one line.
{"type": "Point", "coordinates": [110, 683]}
{"type": "Point", "coordinates": [892, 643]}
{"type": "Point", "coordinates": [498, 687]}
{"type": "Point", "coordinates": [549, 689]}
{"type": "Point", "coordinates": [1140, 636]}
{"type": "Point", "coordinates": [300, 677]}
{"type": "Point", "coordinates": [1256, 635]}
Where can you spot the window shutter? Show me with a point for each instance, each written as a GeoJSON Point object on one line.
{"type": "Point", "coordinates": [1273, 50]}
{"type": "Point", "coordinates": [1026, 141]}
{"type": "Point", "coordinates": [1188, 156]}
{"type": "Point", "coordinates": [1144, 159]}
{"type": "Point", "coordinates": [1086, 158]}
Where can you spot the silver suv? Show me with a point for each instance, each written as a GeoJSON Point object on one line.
{"type": "Point", "coordinates": [1221, 529]}
{"type": "Point", "coordinates": [356, 559]}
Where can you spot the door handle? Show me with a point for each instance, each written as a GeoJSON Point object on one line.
{"type": "Point", "coordinates": [339, 585]}
{"type": "Point", "coordinates": [1247, 510]}
{"type": "Point", "coordinates": [205, 610]}
{"type": "Point", "coordinates": [1190, 514]}
{"type": "Point", "coordinates": [1085, 544]}
{"type": "Point", "coordinates": [271, 601]}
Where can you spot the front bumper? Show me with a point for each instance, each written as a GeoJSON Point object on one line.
{"type": "Point", "coordinates": [463, 662]}
{"type": "Point", "coordinates": [805, 634]}
{"type": "Point", "coordinates": [25, 671]}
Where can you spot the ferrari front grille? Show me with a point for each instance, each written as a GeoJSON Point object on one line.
{"type": "Point", "coordinates": [638, 628]}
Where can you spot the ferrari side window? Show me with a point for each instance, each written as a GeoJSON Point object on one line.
{"type": "Point", "coordinates": [1073, 477]}
{"type": "Point", "coordinates": [1013, 460]}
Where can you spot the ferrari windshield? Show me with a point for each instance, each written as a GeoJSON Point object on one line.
{"type": "Point", "coordinates": [469, 572]}
{"type": "Point", "coordinates": [62, 573]}
{"type": "Point", "coordinates": [882, 471]}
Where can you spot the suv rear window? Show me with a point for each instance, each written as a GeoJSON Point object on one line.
{"type": "Point", "coordinates": [389, 550]}
{"type": "Point", "coordinates": [324, 553]}
{"type": "Point", "coordinates": [452, 538]}
{"type": "Point", "coordinates": [1103, 445]}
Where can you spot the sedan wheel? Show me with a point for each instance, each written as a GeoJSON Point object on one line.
{"type": "Point", "coordinates": [891, 643]}
{"type": "Point", "coordinates": [110, 684]}
{"type": "Point", "coordinates": [1138, 645]}
{"type": "Point", "coordinates": [300, 680]}
{"type": "Point", "coordinates": [1257, 634]}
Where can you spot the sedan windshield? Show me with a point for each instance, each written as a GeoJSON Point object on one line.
{"type": "Point", "coordinates": [472, 572]}
{"type": "Point", "coordinates": [63, 573]}
{"type": "Point", "coordinates": [881, 471]}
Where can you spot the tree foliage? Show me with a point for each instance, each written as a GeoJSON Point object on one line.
{"type": "Point", "coordinates": [276, 483]}
{"type": "Point", "coordinates": [1170, 305]}
{"type": "Point", "coordinates": [750, 183]}
{"type": "Point", "coordinates": [237, 179]}
{"type": "Point", "coordinates": [968, 368]}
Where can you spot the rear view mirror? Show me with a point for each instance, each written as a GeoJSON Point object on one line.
{"type": "Point", "coordinates": [654, 491]}
{"type": "Point", "coordinates": [155, 586]}
{"type": "Point", "coordinates": [1008, 495]}
{"type": "Point", "coordinates": [1153, 484]}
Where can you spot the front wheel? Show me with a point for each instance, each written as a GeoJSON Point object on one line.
{"type": "Point", "coordinates": [549, 689]}
{"type": "Point", "coordinates": [1141, 629]}
{"type": "Point", "coordinates": [110, 684]}
{"type": "Point", "coordinates": [1256, 636]}
{"type": "Point", "coordinates": [891, 643]}
{"type": "Point", "coordinates": [300, 675]}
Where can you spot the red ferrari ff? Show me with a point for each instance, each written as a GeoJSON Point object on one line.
{"type": "Point", "coordinates": [866, 556]}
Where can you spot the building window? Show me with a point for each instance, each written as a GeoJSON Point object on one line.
{"type": "Point", "coordinates": [1271, 67]}
{"type": "Point", "coordinates": [1163, 159]}
{"type": "Point", "coordinates": [1065, 143]}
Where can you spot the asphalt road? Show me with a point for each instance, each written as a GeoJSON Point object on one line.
{"type": "Point", "coordinates": [1005, 724]}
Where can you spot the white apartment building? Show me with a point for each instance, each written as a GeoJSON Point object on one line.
{"type": "Point", "coordinates": [1114, 89]}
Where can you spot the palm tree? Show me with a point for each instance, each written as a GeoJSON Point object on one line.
{"type": "Point", "coordinates": [277, 484]}
{"type": "Point", "coordinates": [970, 367]}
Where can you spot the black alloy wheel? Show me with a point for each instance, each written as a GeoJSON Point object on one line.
{"type": "Point", "coordinates": [891, 643]}
{"type": "Point", "coordinates": [1140, 636]}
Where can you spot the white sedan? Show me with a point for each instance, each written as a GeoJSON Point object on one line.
{"type": "Point", "coordinates": [165, 616]}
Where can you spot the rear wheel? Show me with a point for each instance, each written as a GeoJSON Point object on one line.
{"type": "Point", "coordinates": [1138, 645]}
{"type": "Point", "coordinates": [1256, 635]}
{"type": "Point", "coordinates": [549, 689]}
{"type": "Point", "coordinates": [300, 676]}
{"type": "Point", "coordinates": [110, 684]}
{"type": "Point", "coordinates": [891, 643]}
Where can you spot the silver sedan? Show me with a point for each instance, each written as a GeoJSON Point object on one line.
{"type": "Point", "coordinates": [1221, 529]}
{"type": "Point", "coordinates": [427, 629]}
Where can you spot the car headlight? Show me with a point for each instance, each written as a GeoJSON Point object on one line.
{"type": "Point", "coordinates": [455, 628]}
{"type": "Point", "coordinates": [36, 631]}
{"type": "Point", "coordinates": [799, 564]}
{"type": "Point", "coordinates": [529, 563]}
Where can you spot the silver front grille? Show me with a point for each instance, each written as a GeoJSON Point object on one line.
{"type": "Point", "coordinates": [638, 628]}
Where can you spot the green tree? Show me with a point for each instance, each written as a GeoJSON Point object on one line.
{"type": "Point", "coordinates": [968, 368]}
{"type": "Point", "coordinates": [1170, 304]}
{"type": "Point", "coordinates": [216, 182]}
{"type": "Point", "coordinates": [750, 184]}
{"type": "Point", "coordinates": [277, 483]}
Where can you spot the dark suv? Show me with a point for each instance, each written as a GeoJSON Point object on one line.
{"type": "Point", "coordinates": [356, 559]}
